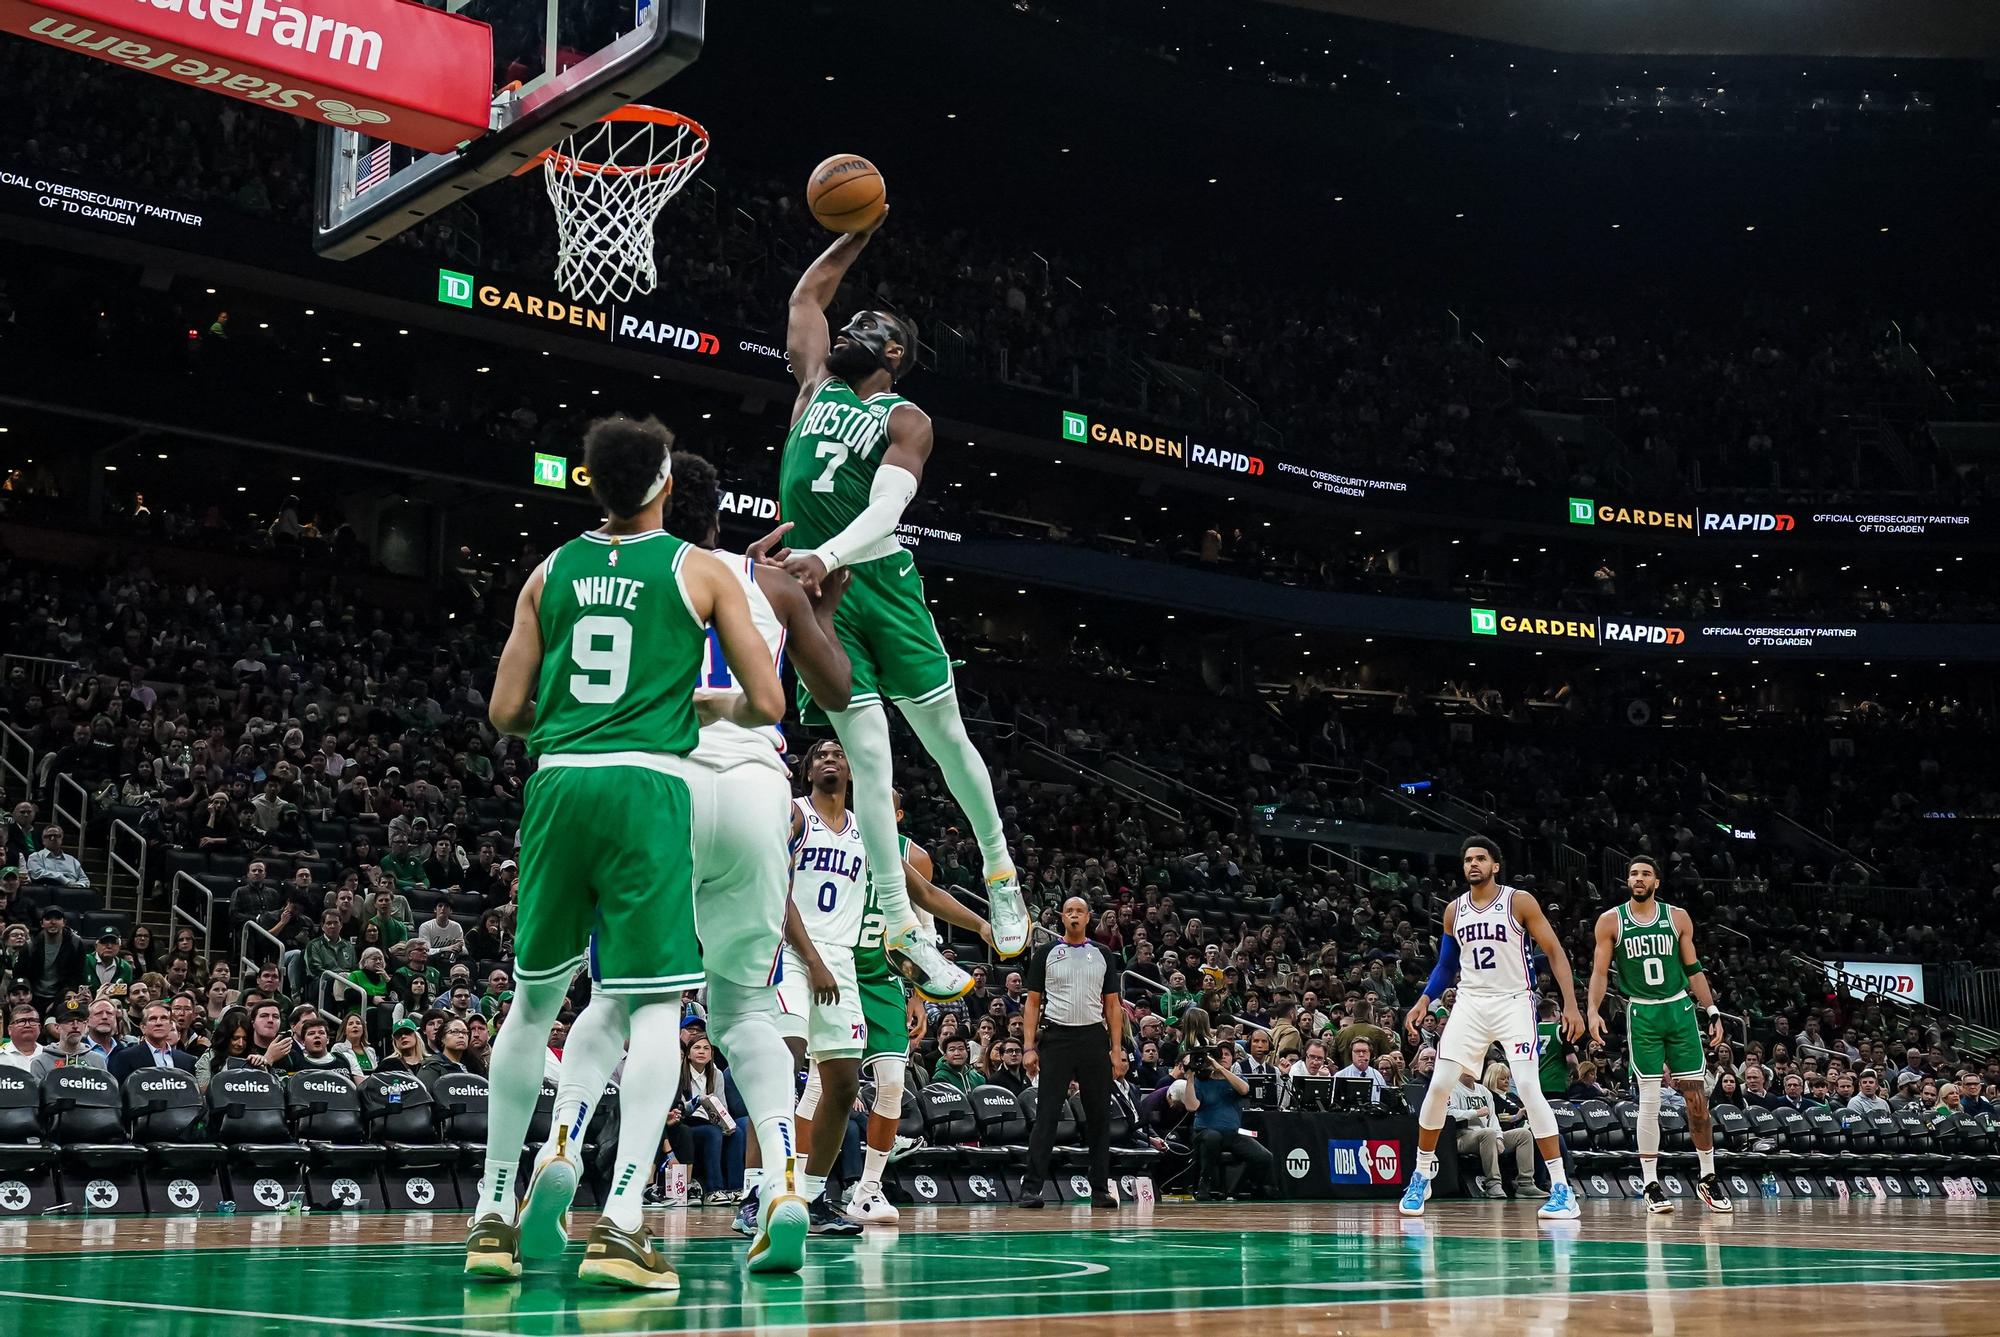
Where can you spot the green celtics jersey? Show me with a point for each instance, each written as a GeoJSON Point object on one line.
{"type": "Point", "coordinates": [1550, 1069]}
{"type": "Point", "coordinates": [830, 462]}
{"type": "Point", "coordinates": [620, 648]}
{"type": "Point", "coordinates": [1648, 956]}
{"type": "Point", "coordinates": [870, 961]}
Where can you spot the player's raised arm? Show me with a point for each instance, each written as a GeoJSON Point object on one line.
{"type": "Point", "coordinates": [927, 895]}
{"type": "Point", "coordinates": [806, 336]}
{"type": "Point", "coordinates": [1698, 985]}
{"type": "Point", "coordinates": [1543, 932]}
{"type": "Point", "coordinates": [718, 601]}
{"type": "Point", "coordinates": [815, 651]}
{"type": "Point", "coordinates": [512, 708]}
{"type": "Point", "coordinates": [1600, 969]}
{"type": "Point", "coordinates": [1442, 975]}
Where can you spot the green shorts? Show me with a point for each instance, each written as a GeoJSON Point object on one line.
{"type": "Point", "coordinates": [1665, 1039]}
{"type": "Point", "coordinates": [890, 637]}
{"type": "Point", "coordinates": [884, 1008]}
{"type": "Point", "coordinates": [607, 877]}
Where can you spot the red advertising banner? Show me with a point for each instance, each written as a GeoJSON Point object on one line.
{"type": "Point", "coordinates": [395, 69]}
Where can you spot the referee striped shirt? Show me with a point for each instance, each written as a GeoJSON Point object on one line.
{"type": "Point", "coordinates": [1072, 979]}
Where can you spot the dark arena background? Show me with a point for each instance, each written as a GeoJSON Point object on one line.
{"type": "Point", "coordinates": [1369, 442]}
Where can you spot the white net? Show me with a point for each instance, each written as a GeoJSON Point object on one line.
{"type": "Point", "coordinates": [608, 184]}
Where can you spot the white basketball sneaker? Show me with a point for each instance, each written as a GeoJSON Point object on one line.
{"type": "Point", "coordinates": [1007, 912]}
{"type": "Point", "coordinates": [545, 1211]}
{"type": "Point", "coordinates": [913, 955]}
{"type": "Point", "coordinates": [870, 1208]}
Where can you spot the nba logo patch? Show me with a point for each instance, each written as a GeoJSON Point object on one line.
{"type": "Point", "coordinates": [1359, 1161]}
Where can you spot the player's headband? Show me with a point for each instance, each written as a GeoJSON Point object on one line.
{"type": "Point", "coordinates": [660, 480]}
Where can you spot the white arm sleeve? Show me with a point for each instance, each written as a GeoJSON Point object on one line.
{"type": "Point", "coordinates": [872, 533]}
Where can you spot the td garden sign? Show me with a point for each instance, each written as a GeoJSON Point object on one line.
{"type": "Point", "coordinates": [1799, 520]}
{"type": "Point", "coordinates": [1681, 638]}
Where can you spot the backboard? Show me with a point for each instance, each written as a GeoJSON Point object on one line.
{"type": "Point", "coordinates": [558, 65]}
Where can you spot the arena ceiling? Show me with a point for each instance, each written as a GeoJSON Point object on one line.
{"type": "Point", "coordinates": [1952, 29]}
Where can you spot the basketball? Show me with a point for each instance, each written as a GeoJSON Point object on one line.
{"type": "Point", "coordinates": [846, 193]}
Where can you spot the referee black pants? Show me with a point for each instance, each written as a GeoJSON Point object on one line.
{"type": "Point", "coordinates": [1080, 1054]}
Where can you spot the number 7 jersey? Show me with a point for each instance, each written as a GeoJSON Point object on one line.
{"type": "Point", "coordinates": [829, 465]}
{"type": "Point", "coordinates": [621, 648]}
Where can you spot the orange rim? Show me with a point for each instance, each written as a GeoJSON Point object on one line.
{"type": "Point", "coordinates": [632, 112]}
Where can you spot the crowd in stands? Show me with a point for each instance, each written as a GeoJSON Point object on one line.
{"type": "Point", "coordinates": [1762, 394]}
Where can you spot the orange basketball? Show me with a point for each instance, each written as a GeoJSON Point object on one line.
{"type": "Point", "coordinates": [845, 193]}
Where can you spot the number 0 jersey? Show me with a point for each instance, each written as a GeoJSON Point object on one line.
{"type": "Point", "coordinates": [1648, 956]}
{"type": "Point", "coordinates": [1492, 947]}
{"type": "Point", "coordinates": [829, 465]}
{"type": "Point", "coordinates": [620, 648]}
{"type": "Point", "coordinates": [829, 878]}
{"type": "Point", "coordinates": [724, 744]}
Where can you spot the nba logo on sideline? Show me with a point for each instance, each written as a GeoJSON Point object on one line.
{"type": "Point", "coordinates": [1354, 1161]}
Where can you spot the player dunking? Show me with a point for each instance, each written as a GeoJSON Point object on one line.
{"type": "Point", "coordinates": [740, 822]}
{"type": "Point", "coordinates": [837, 991]}
{"type": "Point", "coordinates": [1652, 944]}
{"type": "Point", "coordinates": [852, 462]}
{"type": "Point", "coordinates": [1486, 934]}
{"type": "Point", "coordinates": [615, 626]}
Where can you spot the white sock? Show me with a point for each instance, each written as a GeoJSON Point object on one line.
{"type": "Point", "coordinates": [1649, 1169]}
{"type": "Point", "coordinates": [1557, 1175]}
{"type": "Point", "coordinates": [1707, 1159]}
{"type": "Point", "coordinates": [652, 1075]}
{"type": "Point", "coordinates": [864, 734]}
{"type": "Point", "coordinates": [873, 1162]}
{"type": "Point", "coordinates": [1427, 1164]}
{"type": "Point", "coordinates": [941, 729]}
{"type": "Point", "coordinates": [515, 1084]}
{"type": "Point", "coordinates": [596, 1043]}
{"type": "Point", "coordinates": [811, 1185]}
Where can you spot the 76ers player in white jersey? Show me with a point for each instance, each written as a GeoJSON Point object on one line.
{"type": "Point", "coordinates": [740, 796]}
{"type": "Point", "coordinates": [1486, 934]}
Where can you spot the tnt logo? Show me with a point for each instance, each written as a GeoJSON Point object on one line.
{"type": "Point", "coordinates": [454, 288]}
{"type": "Point", "coordinates": [1298, 1163]}
{"type": "Point", "coordinates": [1485, 622]}
{"type": "Point", "coordinates": [1076, 426]}
{"type": "Point", "coordinates": [1354, 1161]}
{"type": "Point", "coordinates": [1582, 511]}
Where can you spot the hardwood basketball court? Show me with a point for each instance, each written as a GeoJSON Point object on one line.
{"type": "Point", "coordinates": [1910, 1265]}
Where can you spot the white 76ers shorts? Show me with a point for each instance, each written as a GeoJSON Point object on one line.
{"type": "Point", "coordinates": [1480, 1020]}
{"type": "Point", "coordinates": [838, 1030]}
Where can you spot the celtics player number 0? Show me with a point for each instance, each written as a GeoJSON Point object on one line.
{"type": "Point", "coordinates": [1654, 970]}
{"type": "Point", "coordinates": [600, 644]}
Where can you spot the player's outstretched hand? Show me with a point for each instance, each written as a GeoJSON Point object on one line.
{"type": "Point", "coordinates": [830, 590]}
{"type": "Point", "coordinates": [768, 550]}
{"type": "Point", "coordinates": [1410, 1022]}
{"type": "Point", "coordinates": [876, 226]}
{"type": "Point", "coordinates": [808, 570]}
{"type": "Point", "coordinates": [1572, 1024]}
{"type": "Point", "coordinates": [1597, 1028]}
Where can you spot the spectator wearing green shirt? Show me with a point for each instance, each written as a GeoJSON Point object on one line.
{"type": "Point", "coordinates": [1178, 998]}
{"type": "Point", "coordinates": [956, 1070]}
{"type": "Point", "coordinates": [402, 865]}
{"type": "Point", "coordinates": [394, 931]}
{"type": "Point", "coordinates": [418, 966]}
{"type": "Point", "coordinates": [329, 952]}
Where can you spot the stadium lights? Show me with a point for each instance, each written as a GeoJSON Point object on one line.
{"type": "Point", "coordinates": [163, 457]}
{"type": "Point", "coordinates": [111, 468]}
{"type": "Point", "coordinates": [402, 331]}
{"type": "Point", "coordinates": [211, 292]}
{"type": "Point", "coordinates": [263, 324]}
{"type": "Point", "coordinates": [706, 416]}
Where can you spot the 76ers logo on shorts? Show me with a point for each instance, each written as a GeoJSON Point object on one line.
{"type": "Point", "coordinates": [1355, 1161]}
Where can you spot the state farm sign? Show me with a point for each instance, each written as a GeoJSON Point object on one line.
{"type": "Point", "coordinates": [402, 71]}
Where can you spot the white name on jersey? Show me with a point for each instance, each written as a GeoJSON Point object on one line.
{"type": "Point", "coordinates": [1492, 946]}
{"type": "Point", "coordinates": [829, 879]}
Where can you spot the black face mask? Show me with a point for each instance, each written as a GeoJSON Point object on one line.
{"type": "Point", "coordinates": [868, 350]}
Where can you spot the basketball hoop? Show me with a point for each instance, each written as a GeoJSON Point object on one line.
{"type": "Point", "coordinates": [608, 183]}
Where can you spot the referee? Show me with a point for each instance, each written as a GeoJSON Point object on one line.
{"type": "Point", "coordinates": [1076, 982]}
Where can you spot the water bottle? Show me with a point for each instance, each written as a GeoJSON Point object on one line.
{"type": "Point", "coordinates": [1768, 1185]}
{"type": "Point", "coordinates": [225, 1208]}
